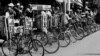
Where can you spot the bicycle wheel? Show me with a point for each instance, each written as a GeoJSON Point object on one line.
{"type": "Point", "coordinates": [64, 39]}
{"type": "Point", "coordinates": [43, 38]}
{"type": "Point", "coordinates": [77, 35]}
{"type": "Point", "coordinates": [23, 46]}
{"type": "Point", "coordinates": [36, 48]}
{"type": "Point", "coordinates": [53, 44]}
{"type": "Point", "coordinates": [98, 27]}
{"type": "Point", "coordinates": [92, 29]}
{"type": "Point", "coordinates": [95, 28]}
{"type": "Point", "coordinates": [88, 29]}
{"type": "Point", "coordinates": [9, 48]}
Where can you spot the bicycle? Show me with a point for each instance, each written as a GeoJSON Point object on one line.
{"type": "Point", "coordinates": [47, 39]}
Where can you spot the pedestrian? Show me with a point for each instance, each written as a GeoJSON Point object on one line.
{"type": "Point", "coordinates": [44, 18]}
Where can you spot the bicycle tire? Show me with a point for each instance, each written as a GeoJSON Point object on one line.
{"type": "Point", "coordinates": [43, 38]}
{"type": "Point", "coordinates": [4, 49]}
{"type": "Point", "coordinates": [78, 35]}
{"type": "Point", "coordinates": [23, 48]}
{"type": "Point", "coordinates": [90, 29]}
{"type": "Point", "coordinates": [93, 29]}
{"type": "Point", "coordinates": [52, 45]}
{"type": "Point", "coordinates": [65, 39]}
{"type": "Point", "coordinates": [36, 44]}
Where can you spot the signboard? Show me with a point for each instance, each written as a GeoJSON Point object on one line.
{"type": "Point", "coordinates": [46, 7]}
{"type": "Point", "coordinates": [34, 7]}
{"type": "Point", "coordinates": [61, 1]}
{"type": "Point", "coordinates": [41, 7]}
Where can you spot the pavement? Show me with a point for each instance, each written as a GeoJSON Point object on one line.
{"type": "Point", "coordinates": [89, 46]}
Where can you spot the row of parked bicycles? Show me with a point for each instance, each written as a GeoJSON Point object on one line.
{"type": "Point", "coordinates": [30, 41]}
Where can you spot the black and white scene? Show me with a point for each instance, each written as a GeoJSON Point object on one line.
{"type": "Point", "coordinates": [49, 28]}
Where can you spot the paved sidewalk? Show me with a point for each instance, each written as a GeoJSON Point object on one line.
{"type": "Point", "coordinates": [89, 46]}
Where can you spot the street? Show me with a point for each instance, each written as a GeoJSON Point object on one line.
{"type": "Point", "coordinates": [89, 46]}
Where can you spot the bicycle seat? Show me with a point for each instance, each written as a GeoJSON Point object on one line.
{"type": "Point", "coordinates": [34, 29]}
{"type": "Point", "coordinates": [37, 31]}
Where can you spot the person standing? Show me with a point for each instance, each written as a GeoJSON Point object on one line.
{"type": "Point", "coordinates": [44, 21]}
{"type": "Point", "coordinates": [49, 19]}
{"type": "Point", "coordinates": [9, 14]}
